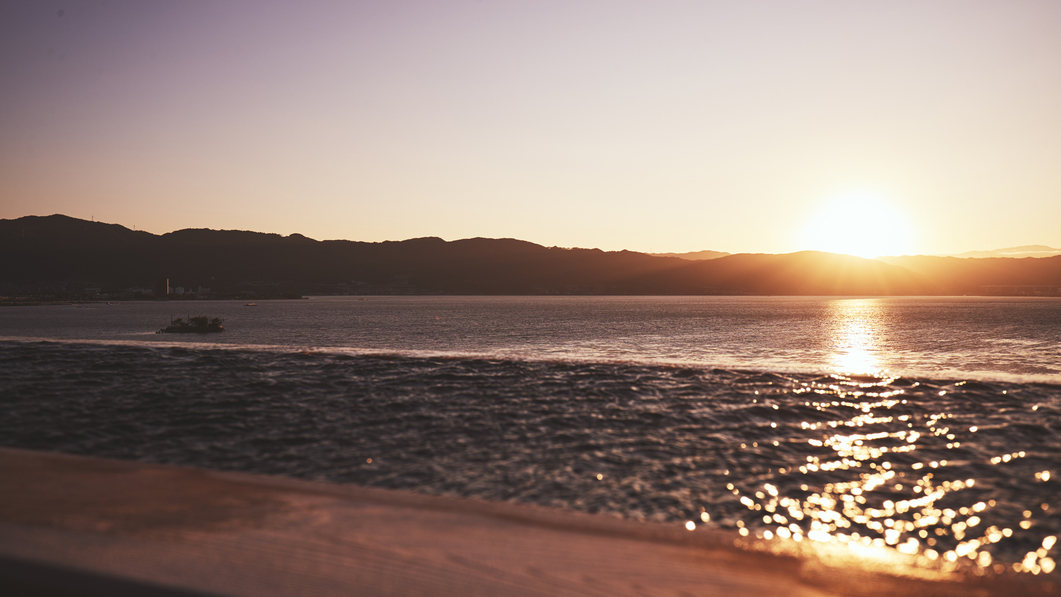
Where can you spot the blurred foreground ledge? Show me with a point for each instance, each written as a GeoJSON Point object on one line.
{"type": "Point", "coordinates": [72, 525]}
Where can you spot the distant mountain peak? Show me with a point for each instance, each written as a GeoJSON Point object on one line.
{"type": "Point", "coordinates": [693, 256]}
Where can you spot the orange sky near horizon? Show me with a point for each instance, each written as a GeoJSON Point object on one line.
{"type": "Point", "coordinates": [893, 127]}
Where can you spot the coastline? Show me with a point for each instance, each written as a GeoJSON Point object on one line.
{"type": "Point", "coordinates": [79, 526]}
{"type": "Point", "coordinates": [117, 301]}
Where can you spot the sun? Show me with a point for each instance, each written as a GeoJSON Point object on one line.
{"type": "Point", "coordinates": [860, 224]}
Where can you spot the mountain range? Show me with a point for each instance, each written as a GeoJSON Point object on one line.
{"type": "Point", "coordinates": [1022, 251]}
{"type": "Point", "coordinates": [56, 254]}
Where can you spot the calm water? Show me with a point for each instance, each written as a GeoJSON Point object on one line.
{"type": "Point", "coordinates": [917, 428]}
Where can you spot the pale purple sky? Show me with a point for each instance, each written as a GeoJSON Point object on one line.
{"type": "Point", "coordinates": [933, 127]}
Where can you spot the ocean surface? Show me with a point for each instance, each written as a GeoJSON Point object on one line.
{"type": "Point", "coordinates": [920, 428]}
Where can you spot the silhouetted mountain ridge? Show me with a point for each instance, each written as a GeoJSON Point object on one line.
{"type": "Point", "coordinates": [58, 250]}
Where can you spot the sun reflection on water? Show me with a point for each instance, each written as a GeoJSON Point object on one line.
{"type": "Point", "coordinates": [854, 335]}
{"type": "Point", "coordinates": [890, 502]}
{"type": "Point", "coordinates": [874, 483]}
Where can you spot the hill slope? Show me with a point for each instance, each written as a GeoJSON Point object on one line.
{"type": "Point", "coordinates": [57, 251]}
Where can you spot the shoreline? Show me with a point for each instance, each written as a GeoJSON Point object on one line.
{"type": "Point", "coordinates": [18, 301]}
{"type": "Point", "coordinates": [118, 301]}
{"type": "Point", "coordinates": [78, 526]}
{"type": "Point", "coordinates": [942, 375]}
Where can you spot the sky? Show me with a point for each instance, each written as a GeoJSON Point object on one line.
{"type": "Point", "coordinates": [890, 127]}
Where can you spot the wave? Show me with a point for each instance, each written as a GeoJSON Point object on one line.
{"type": "Point", "coordinates": [877, 461]}
{"type": "Point", "coordinates": [1049, 376]}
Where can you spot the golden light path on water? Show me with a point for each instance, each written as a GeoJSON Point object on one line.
{"type": "Point", "coordinates": [854, 336]}
{"type": "Point", "coordinates": [884, 511]}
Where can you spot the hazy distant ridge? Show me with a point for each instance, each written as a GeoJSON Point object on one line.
{"type": "Point", "coordinates": [1018, 252]}
{"type": "Point", "coordinates": [55, 250]}
{"type": "Point", "coordinates": [694, 256]}
{"type": "Point", "coordinates": [997, 275]}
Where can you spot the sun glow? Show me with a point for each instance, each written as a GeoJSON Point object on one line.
{"type": "Point", "coordinates": [859, 224]}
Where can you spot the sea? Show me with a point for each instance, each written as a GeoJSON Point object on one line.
{"type": "Point", "coordinates": [926, 429]}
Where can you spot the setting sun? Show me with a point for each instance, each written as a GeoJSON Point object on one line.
{"type": "Point", "coordinates": [859, 224]}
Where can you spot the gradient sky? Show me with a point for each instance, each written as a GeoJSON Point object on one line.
{"type": "Point", "coordinates": [650, 126]}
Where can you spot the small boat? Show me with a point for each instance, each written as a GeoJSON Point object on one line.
{"type": "Point", "coordinates": [250, 305]}
{"type": "Point", "coordinates": [194, 325]}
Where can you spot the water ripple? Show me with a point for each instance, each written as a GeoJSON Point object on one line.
{"type": "Point", "coordinates": [952, 474]}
